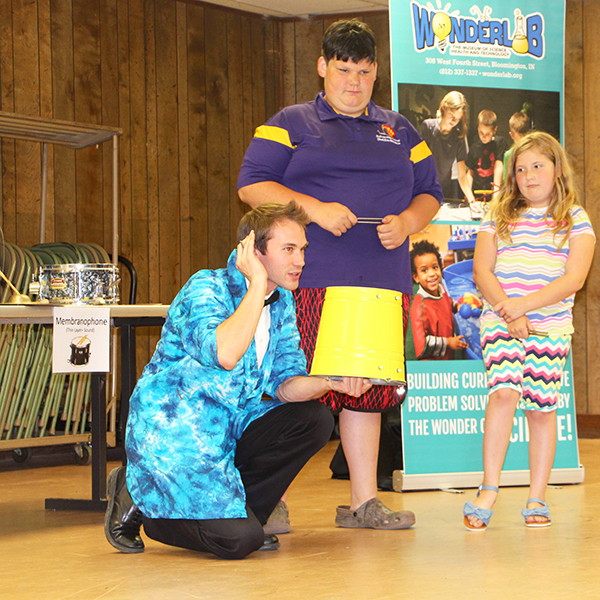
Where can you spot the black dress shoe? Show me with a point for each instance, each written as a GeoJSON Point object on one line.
{"type": "Point", "coordinates": [271, 543]}
{"type": "Point", "coordinates": [123, 518]}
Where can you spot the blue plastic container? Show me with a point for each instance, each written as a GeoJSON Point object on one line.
{"type": "Point", "coordinates": [458, 279]}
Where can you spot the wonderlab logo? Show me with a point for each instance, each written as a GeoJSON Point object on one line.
{"type": "Point", "coordinates": [478, 35]}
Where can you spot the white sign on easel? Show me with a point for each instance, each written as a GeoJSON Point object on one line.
{"type": "Point", "coordinates": [81, 339]}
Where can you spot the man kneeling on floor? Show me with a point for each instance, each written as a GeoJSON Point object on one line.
{"type": "Point", "coordinates": [224, 417]}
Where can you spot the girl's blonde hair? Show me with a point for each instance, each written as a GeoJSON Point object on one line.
{"type": "Point", "coordinates": [455, 101]}
{"type": "Point", "coordinates": [510, 203]}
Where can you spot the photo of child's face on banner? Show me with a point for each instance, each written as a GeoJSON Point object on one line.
{"type": "Point", "coordinates": [446, 305]}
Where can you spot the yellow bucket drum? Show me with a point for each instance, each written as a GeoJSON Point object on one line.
{"type": "Point", "coordinates": [361, 335]}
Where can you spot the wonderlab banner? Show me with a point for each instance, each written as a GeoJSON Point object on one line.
{"type": "Point", "coordinates": [504, 57]}
{"type": "Point", "coordinates": [502, 44]}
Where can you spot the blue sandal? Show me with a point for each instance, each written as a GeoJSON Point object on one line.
{"type": "Point", "coordinates": [483, 514]}
{"type": "Point", "coordinates": [538, 511]}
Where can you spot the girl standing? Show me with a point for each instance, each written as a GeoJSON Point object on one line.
{"type": "Point", "coordinates": [534, 251]}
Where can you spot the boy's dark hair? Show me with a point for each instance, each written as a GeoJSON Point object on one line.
{"type": "Point", "coordinates": [424, 247]}
{"type": "Point", "coordinates": [262, 219]}
{"type": "Point", "coordinates": [349, 39]}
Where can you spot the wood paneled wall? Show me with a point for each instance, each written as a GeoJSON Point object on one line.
{"type": "Point", "coordinates": [188, 83]}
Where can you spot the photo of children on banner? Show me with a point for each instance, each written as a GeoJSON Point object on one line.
{"type": "Point", "coordinates": [444, 315]}
{"type": "Point", "coordinates": [482, 120]}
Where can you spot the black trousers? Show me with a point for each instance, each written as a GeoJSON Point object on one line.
{"type": "Point", "coordinates": [271, 452]}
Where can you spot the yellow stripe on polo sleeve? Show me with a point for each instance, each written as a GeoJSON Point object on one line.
{"type": "Point", "coordinates": [275, 134]}
{"type": "Point", "coordinates": [419, 152]}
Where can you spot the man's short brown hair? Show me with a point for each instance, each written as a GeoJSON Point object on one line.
{"type": "Point", "coordinates": [262, 219]}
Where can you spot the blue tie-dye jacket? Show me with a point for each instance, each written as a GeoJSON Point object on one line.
{"type": "Point", "coordinates": [187, 412]}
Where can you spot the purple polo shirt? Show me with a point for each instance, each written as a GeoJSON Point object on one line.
{"type": "Point", "coordinates": [374, 164]}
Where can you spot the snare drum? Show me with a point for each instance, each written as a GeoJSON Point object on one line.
{"type": "Point", "coordinates": [361, 335]}
{"type": "Point", "coordinates": [79, 283]}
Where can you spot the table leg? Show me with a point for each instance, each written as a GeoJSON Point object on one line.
{"type": "Point", "coordinates": [98, 501]}
{"type": "Point", "coordinates": [128, 376]}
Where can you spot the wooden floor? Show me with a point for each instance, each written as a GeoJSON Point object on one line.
{"type": "Point", "coordinates": [56, 556]}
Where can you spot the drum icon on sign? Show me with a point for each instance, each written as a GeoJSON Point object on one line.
{"type": "Point", "coordinates": [80, 351]}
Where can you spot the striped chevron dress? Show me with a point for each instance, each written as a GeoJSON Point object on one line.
{"type": "Point", "coordinates": [529, 262]}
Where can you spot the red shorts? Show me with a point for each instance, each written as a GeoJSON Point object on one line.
{"type": "Point", "coordinates": [380, 398]}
